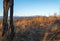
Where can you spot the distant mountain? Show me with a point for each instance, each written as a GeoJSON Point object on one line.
{"type": "Point", "coordinates": [18, 17]}
{"type": "Point", "coordinates": [0, 16]}
{"type": "Point", "coordinates": [22, 17]}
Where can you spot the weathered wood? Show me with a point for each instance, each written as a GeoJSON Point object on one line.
{"type": "Point", "coordinates": [6, 5]}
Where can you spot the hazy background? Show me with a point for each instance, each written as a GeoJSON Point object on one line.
{"type": "Point", "coordinates": [34, 7]}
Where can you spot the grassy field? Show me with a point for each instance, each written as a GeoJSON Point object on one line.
{"type": "Point", "coordinates": [39, 28]}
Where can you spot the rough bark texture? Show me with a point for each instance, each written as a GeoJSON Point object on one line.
{"type": "Point", "coordinates": [11, 19]}
{"type": "Point", "coordinates": [6, 5]}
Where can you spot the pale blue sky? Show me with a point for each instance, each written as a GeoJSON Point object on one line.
{"type": "Point", "coordinates": [34, 7]}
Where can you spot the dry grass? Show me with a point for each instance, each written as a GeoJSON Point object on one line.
{"type": "Point", "coordinates": [36, 29]}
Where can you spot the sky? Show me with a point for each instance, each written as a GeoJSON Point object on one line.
{"type": "Point", "coordinates": [34, 7]}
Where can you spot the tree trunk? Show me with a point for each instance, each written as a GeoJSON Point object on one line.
{"type": "Point", "coordinates": [11, 20]}
{"type": "Point", "coordinates": [5, 18]}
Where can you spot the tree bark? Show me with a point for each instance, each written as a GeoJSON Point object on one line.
{"type": "Point", "coordinates": [11, 20]}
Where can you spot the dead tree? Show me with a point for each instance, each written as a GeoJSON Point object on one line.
{"type": "Point", "coordinates": [6, 5]}
{"type": "Point", "coordinates": [11, 19]}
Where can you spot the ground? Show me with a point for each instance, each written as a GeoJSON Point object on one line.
{"type": "Point", "coordinates": [35, 29]}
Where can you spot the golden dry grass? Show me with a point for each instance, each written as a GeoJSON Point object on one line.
{"type": "Point", "coordinates": [36, 29]}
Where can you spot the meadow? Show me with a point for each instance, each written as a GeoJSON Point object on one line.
{"type": "Point", "coordinates": [37, 28]}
